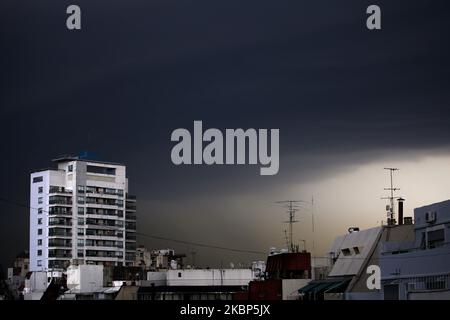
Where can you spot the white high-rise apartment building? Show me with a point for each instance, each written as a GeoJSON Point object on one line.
{"type": "Point", "coordinates": [81, 213]}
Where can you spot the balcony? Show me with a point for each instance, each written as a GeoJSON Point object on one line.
{"type": "Point", "coordinates": [104, 191]}
{"type": "Point", "coordinates": [130, 206]}
{"type": "Point", "coordinates": [60, 211]}
{"type": "Point", "coordinates": [104, 254]}
{"type": "Point", "coordinates": [60, 222]}
{"type": "Point", "coordinates": [58, 253]}
{"type": "Point", "coordinates": [61, 232]}
{"type": "Point", "coordinates": [130, 236]}
{"type": "Point", "coordinates": [131, 198]}
{"type": "Point", "coordinates": [60, 190]}
{"type": "Point", "coordinates": [104, 222]}
{"type": "Point", "coordinates": [103, 233]}
{"type": "Point", "coordinates": [104, 212]}
{"type": "Point", "coordinates": [62, 243]}
{"type": "Point", "coordinates": [104, 201]}
{"type": "Point", "coordinates": [130, 216]}
{"type": "Point", "coordinates": [60, 200]}
{"type": "Point", "coordinates": [130, 226]}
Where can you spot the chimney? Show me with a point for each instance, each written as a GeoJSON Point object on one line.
{"type": "Point", "coordinates": [400, 210]}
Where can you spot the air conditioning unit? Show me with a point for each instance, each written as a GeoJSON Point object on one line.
{"type": "Point", "coordinates": [430, 216]}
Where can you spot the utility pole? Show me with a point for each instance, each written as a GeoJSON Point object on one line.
{"type": "Point", "coordinates": [390, 209]}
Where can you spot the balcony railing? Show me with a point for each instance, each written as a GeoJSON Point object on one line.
{"type": "Point", "coordinates": [60, 243]}
{"type": "Point", "coordinates": [59, 232]}
{"type": "Point", "coordinates": [60, 211]}
{"type": "Point", "coordinates": [54, 189]}
{"type": "Point", "coordinates": [103, 233]}
{"type": "Point", "coordinates": [104, 254]}
{"type": "Point", "coordinates": [130, 216]}
{"type": "Point", "coordinates": [60, 200]}
{"type": "Point", "coordinates": [130, 206]}
{"type": "Point", "coordinates": [59, 254]}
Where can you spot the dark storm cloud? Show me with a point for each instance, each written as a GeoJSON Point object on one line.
{"type": "Point", "coordinates": [337, 91]}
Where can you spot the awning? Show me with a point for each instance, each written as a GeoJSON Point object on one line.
{"type": "Point", "coordinates": [308, 287]}
{"type": "Point", "coordinates": [323, 286]}
{"type": "Point", "coordinates": [338, 286]}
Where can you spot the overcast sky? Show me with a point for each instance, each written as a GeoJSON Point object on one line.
{"type": "Point", "coordinates": [348, 102]}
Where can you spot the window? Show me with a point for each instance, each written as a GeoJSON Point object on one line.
{"type": "Point", "coordinates": [80, 210]}
{"type": "Point", "coordinates": [179, 274]}
{"type": "Point", "coordinates": [39, 263]}
{"type": "Point", "coordinates": [70, 168]}
{"type": "Point", "coordinates": [81, 189]}
{"type": "Point", "coordinates": [40, 210]}
{"type": "Point", "coordinates": [436, 238]}
{"type": "Point", "coordinates": [80, 253]}
{"type": "Point", "coordinates": [81, 221]}
{"type": "Point", "coordinates": [39, 252]}
{"type": "Point", "coordinates": [101, 170]}
{"type": "Point", "coordinates": [80, 231]}
{"type": "Point", "coordinates": [40, 200]}
{"type": "Point", "coordinates": [80, 242]}
{"type": "Point", "coordinates": [39, 232]}
{"type": "Point", "coordinates": [40, 189]}
{"type": "Point", "coordinates": [38, 179]}
{"type": "Point", "coordinates": [80, 199]}
{"type": "Point", "coordinates": [40, 221]}
{"type": "Point", "coordinates": [39, 242]}
{"type": "Point", "coordinates": [356, 249]}
{"type": "Point", "coordinates": [346, 252]}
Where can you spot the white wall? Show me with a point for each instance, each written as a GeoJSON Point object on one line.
{"type": "Point", "coordinates": [289, 288]}
{"type": "Point", "coordinates": [157, 278]}
{"type": "Point", "coordinates": [85, 278]}
{"type": "Point", "coordinates": [210, 277]}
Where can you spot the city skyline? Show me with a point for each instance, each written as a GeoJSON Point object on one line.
{"type": "Point", "coordinates": [347, 101]}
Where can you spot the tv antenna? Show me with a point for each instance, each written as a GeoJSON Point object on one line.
{"type": "Point", "coordinates": [390, 208]}
{"type": "Point", "coordinates": [292, 207]}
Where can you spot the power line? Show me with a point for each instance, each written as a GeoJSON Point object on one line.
{"type": "Point", "coordinates": [199, 244]}
{"type": "Point", "coordinates": [155, 236]}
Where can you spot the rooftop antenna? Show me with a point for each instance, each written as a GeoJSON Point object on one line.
{"type": "Point", "coordinates": [291, 206]}
{"type": "Point", "coordinates": [390, 208]}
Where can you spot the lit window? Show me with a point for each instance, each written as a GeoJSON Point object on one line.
{"type": "Point", "coordinates": [80, 231]}
{"type": "Point", "coordinates": [39, 263]}
{"type": "Point", "coordinates": [40, 200]}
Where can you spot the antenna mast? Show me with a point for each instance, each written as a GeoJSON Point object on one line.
{"type": "Point", "coordinates": [392, 189]}
{"type": "Point", "coordinates": [291, 206]}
